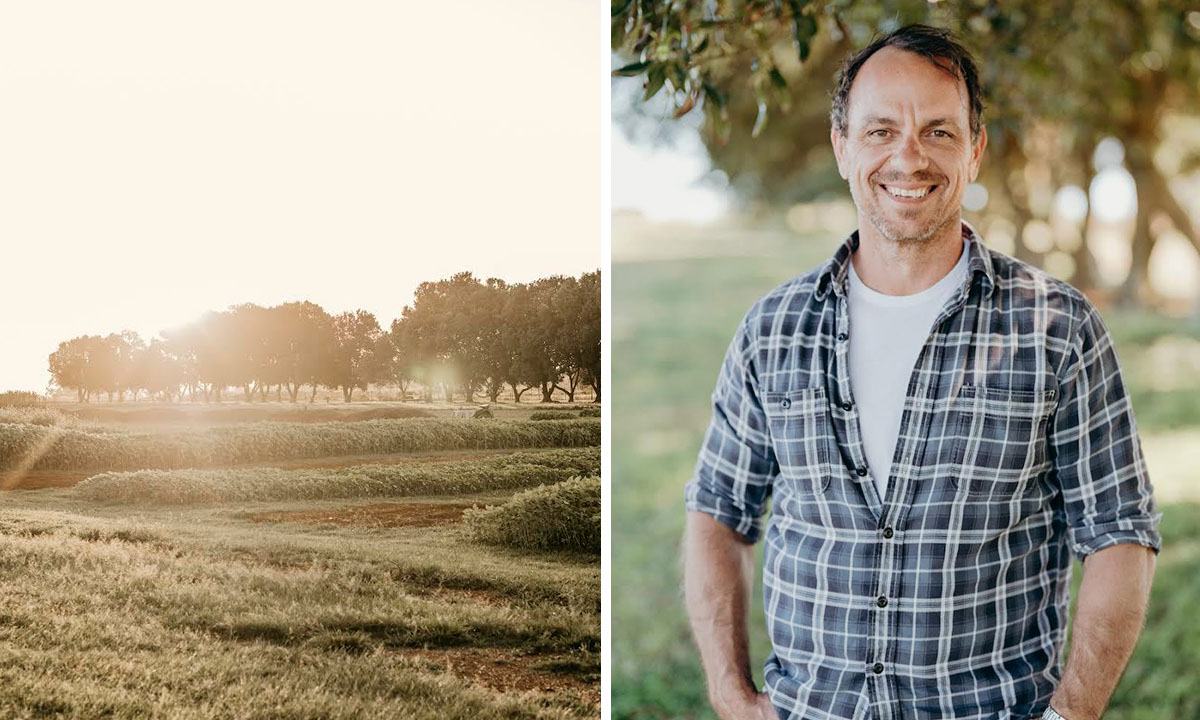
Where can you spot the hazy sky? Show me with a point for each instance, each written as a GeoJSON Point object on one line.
{"type": "Point", "coordinates": [159, 159]}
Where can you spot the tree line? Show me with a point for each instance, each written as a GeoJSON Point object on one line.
{"type": "Point", "coordinates": [460, 334]}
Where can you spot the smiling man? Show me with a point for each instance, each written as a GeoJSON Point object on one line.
{"type": "Point", "coordinates": [938, 428]}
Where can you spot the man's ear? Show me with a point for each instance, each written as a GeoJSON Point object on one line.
{"type": "Point", "coordinates": [839, 150]}
{"type": "Point", "coordinates": [977, 153]}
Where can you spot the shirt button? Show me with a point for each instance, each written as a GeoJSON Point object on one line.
{"type": "Point", "coordinates": [861, 470]}
{"type": "Point", "coordinates": [881, 602]}
{"type": "Point", "coordinates": [842, 336]}
{"type": "Point", "coordinates": [878, 668]}
{"type": "Point", "coordinates": [785, 403]}
{"type": "Point", "coordinates": [847, 406]}
{"type": "Point", "coordinates": [887, 532]}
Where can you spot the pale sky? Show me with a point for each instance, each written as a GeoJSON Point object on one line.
{"type": "Point", "coordinates": [158, 160]}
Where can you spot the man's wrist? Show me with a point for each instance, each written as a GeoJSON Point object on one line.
{"type": "Point", "coordinates": [1051, 714]}
{"type": "Point", "coordinates": [733, 697]}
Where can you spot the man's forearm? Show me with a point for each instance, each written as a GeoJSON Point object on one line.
{"type": "Point", "coordinates": [1108, 621]}
{"type": "Point", "coordinates": [718, 572]}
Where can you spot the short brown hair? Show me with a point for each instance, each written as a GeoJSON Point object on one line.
{"type": "Point", "coordinates": [938, 46]}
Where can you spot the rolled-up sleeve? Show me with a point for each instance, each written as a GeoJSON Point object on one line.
{"type": "Point", "coordinates": [1107, 495]}
{"type": "Point", "coordinates": [736, 465]}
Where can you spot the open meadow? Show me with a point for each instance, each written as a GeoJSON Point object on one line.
{"type": "Point", "coordinates": [674, 312]}
{"type": "Point", "coordinates": [256, 560]}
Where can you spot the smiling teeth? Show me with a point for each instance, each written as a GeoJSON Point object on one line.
{"type": "Point", "coordinates": [908, 193]}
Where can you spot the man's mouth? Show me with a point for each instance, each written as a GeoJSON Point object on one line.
{"type": "Point", "coordinates": [909, 194]}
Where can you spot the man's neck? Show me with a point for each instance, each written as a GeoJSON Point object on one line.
{"type": "Point", "coordinates": [895, 268]}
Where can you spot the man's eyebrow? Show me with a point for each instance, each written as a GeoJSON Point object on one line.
{"type": "Point", "coordinates": [879, 120]}
{"type": "Point", "coordinates": [938, 122]}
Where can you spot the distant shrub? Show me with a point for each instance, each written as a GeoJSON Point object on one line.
{"type": "Point", "coordinates": [20, 398]}
{"type": "Point", "coordinates": [552, 415]}
{"type": "Point", "coordinates": [565, 516]}
{"type": "Point", "coordinates": [483, 413]}
{"type": "Point", "coordinates": [50, 417]}
{"type": "Point", "coordinates": [54, 448]}
{"type": "Point", "coordinates": [590, 412]}
{"type": "Point", "coordinates": [189, 487]}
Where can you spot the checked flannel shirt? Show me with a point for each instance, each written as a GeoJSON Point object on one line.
{"type": "Point", "coordinates": [948, 598]}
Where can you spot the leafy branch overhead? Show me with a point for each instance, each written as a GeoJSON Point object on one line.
{"type": "Point", "coordinates": [701, 50]}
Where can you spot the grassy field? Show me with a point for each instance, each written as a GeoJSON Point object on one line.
{"type": "Point", "coordinates": [251, 591]}
{"type": "Point", "coordinates": [672, 320]}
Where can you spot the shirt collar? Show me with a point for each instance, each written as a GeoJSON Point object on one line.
{"type": "Point", "coordinates": [835, 271]}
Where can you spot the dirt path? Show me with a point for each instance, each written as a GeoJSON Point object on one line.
{"type": "Point", "coordinates": [514, 671]}
{"type": "Point", "coordinates": [42, 479]}
{"type": "Point", "coordinates": [378, 515]}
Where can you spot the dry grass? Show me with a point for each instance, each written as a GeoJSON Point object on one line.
{"type": "Point", "coordinates": [195, 614]}
{"type": "Point", "coordinates": [189, 487]}
{"type": "Point", "coordinates": [33, 447]}
{"type": "Point", "coordinates": [565, 516]}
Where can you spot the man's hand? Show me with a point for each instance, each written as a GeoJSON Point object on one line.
{"type": "Point", "coordinates": [753, 707]}
{"type": "Point", "coordinates": [766, 709]}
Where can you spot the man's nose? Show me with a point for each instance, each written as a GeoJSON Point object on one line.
{"type": "Point", "coordinates": [910, 155]}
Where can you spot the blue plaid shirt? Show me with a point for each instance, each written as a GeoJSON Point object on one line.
{"type": "Point", "coordinates": [948, 598]}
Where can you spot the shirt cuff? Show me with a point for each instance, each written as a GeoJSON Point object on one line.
{"type": "Point", "coordinates": [723, 510]}
{"type": "Point", "coordinates": [1140, 530]}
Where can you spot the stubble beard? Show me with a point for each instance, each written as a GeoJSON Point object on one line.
{"type": "Point", "coordinates": [893, 232]}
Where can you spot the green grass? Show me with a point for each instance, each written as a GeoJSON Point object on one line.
{"type": "Point", "coordinates": [563, 516]}
{"type": "Point", "coordinates": [672, 321]}
{"type": "Point", "coordinates": [35, 447]}
{"type": "Point", "coordinates": [189, 487]}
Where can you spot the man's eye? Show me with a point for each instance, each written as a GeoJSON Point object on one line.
{"type": "Point", "coordinates": [878, 133]}
{"type": "Point", "coordinates": [942, 133]}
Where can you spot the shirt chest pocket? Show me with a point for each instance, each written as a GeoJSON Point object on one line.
{"type": "Point", "coordinates": [1000, 439]}
{"type": "Point", "coordinates": [801, 436]}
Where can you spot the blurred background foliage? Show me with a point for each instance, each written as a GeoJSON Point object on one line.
{"type": "Point", "coordinates": [1081, 100]}
{"type": "Point", "coordinates": [1092, 172]}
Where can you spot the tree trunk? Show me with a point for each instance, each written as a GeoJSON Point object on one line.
{"type": "Point", "coordinates": [313, 398]}
{"type": "Point", "coordinates": [80, 390]}
{"type": "Point", "coordinates": [596, 388]}
{"type": "Point", "coordinates": [293, 390]}
{"type": "Point", "coordinates": [1136, 290]}
{"type": "Point", "coordinates": [573, 382]}
{"type": "Point", "coordinates": [547, 391]}
{"type": "Point", "coordinates": [347, 392]}
{"type": "Point", "coordinates": [517, 393]}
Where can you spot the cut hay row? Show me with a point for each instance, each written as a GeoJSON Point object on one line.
{"type": "Point", "coordinates": [192, 487]}
{"type": "Point", "coordinates": [33, 447]}
{"type": "Point", "coordinates": [565, 516]}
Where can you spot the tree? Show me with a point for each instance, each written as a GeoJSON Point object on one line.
{"type": "Point", "coordinates": [355, 362]}
{"type": "Point", "coordinates": [307, 346]}
{"type": "Point", "coordinates": [70, 364]}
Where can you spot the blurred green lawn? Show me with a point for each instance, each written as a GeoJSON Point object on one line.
{"type": "Point", "coordinates": [672, 321]}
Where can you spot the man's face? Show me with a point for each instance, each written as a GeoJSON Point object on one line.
{"type": "Point", "coordinates": [907, 133]}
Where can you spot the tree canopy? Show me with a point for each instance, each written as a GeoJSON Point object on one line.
{"type": "Point", "coordinates": [1058, 77]}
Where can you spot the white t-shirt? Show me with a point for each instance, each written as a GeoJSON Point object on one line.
{"type": "Point", "coordinates": [887, 333]}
